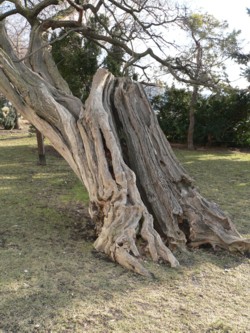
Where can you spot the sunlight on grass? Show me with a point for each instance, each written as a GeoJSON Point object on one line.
{"type": "Point", "coordinates": [7, 165]}
{"type": "Point", "coordinates": [223, 177]}
{"type": "Point", "coordinates": [77, 193]}
{"type": "Point", "coordinates": [5, 188]}
{"type": "Point", "coordinates": [52, 281]}
{"type": "Point", "coordinates": [48, 175]}
{"type": "Point", "coordinates": [8, 177]}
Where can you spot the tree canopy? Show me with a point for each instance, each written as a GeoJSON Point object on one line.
{"type": "Point", "coordinates": [143, 26]}
{"type": "Point", "coordinates": [77, 60]}
{"type": "Point", "coordinates": [222, 119]}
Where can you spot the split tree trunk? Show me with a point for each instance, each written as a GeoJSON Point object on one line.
{"type": "Point", "coordinates": [141, 199]}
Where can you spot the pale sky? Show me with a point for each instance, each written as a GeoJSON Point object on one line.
{"type": "Point", "coordinates": [235, 13]}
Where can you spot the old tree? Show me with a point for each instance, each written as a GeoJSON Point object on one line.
{"type": "Point", "coordinates": [142, 201]}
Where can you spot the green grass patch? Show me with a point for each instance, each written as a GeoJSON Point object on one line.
{"type": "Point", "coordinates": [76, 193]}
{"type": "Point", "coordinates": [223, 177]}
{"type": "Point", "coordinates": [51, 280]}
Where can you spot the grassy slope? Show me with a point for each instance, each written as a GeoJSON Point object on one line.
{"type": "Point", "coordinates": [51, 280]}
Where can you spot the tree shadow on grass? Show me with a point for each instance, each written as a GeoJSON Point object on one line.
{"type": "Point", "coordinates": [47, 265]}
{"type": "Point", "coordinates": [51, 279]}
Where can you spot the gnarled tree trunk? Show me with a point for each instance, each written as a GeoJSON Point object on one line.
{"type": "Point", "coordinates": [141, 199]}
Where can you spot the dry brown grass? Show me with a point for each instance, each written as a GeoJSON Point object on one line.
{"type": "Point", "coordinates": [51, 280]}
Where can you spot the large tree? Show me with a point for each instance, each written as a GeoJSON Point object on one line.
{"type": "Point", "coordinates": [209, 46]}
{"type": "Point", "coordinates": [141, 199]}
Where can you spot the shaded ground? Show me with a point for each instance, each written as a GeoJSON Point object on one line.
{"type": "Point", "coordinates": [51, 280]}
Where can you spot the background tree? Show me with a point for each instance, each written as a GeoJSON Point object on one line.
{"type": "Point", "coordinates": [114, 59]}
{"type": "Point", "coordinates": [243, 58]}
{"type": "Point", "coordinates": [77, 58]}
{"type": "Point", "coordinates": [141, 199]}
{"type": "Point", "coordinates": [18, 31]}
{"type": "Point", "coordinates": [172, 110]}
{"type": "Point", "coordinates": [7, 114]}
{"type": "Point", "coordinates": [221, 118]}
{"type": "Point", "coordinates": [210, 46]}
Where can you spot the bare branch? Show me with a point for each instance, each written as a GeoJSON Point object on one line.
{"type": "Point", "coordinates": [41, 6]}
{"type": "Point", "coordinates": [47, 44]}
{"type": "Point", "coordinates": [142, 21]}
{"type": "Point", "coordinates": [9, 13]}
{"type": "Point", "coordinates": [78, 8]}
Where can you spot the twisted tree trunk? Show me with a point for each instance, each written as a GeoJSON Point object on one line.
{"type": "Point", "coordinates": [141, 199]}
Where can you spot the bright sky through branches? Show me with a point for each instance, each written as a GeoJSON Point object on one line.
{"type": "Point", "coordinates": [235, 13]}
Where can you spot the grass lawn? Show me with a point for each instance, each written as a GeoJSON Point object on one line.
{"type": "Point", "coordinates": [52, 281]}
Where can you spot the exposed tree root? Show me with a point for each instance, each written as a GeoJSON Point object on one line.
{"type": "Point", "coordinates": [125, 129]}
{"type": "Point", "coordinates": [137, 186]}
{"type": "Point", "coordinates": [165, 187]}
{"type": "Point", "coordinates": [209, 225]}
{"type": "Point", "coordinates": [116, 203]}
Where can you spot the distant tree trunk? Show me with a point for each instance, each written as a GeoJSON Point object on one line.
{"type": "Point", "coordinates": [190, 136]}
{"type": "Point", "coordinates": [141, 199]}
{"type": "Point", "coordinates": [17, 124]}
{"type": "Point", "coordinates": [40, 148]}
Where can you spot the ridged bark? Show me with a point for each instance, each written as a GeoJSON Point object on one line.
{"type": "Point", "coordinates": [141, 199]}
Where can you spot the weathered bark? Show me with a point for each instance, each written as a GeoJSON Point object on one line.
{"type": "Point", "coordinates": [182, 216]}
{"type": "Point", "coordinates": [115, 202]}
{"type": "Point", "coordinates": [141, 199]}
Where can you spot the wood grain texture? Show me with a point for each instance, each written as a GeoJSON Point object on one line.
{"type": "Point", "coordinates": [143, 202]}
